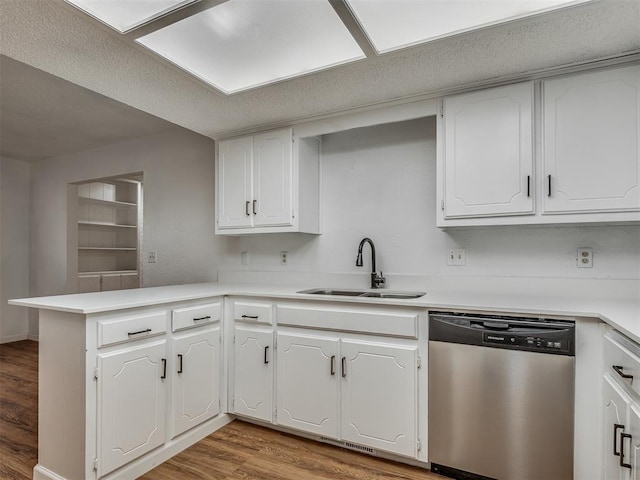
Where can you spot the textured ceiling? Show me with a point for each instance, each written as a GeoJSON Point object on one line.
{"type": "Point", "coordinates": [44, 116]}
{"type": "Point", "coordinates": [54, 37]}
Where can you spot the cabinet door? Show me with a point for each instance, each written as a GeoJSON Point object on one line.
{"type": "Point", "coordinates": [272, 173]}
{"type": "Point", "coordinates": [253, 373]}
{"type": "Point", "coordinates": [489, 152]}
{"type": "Point", "coordinates": [88, 283]}
{"type": "Point", "coordinates": [234, 183]}
{"type": "Point", "coordinates": [131, 403]}
{"type": "Point", "coordinates": [616, 404]}
{"type": "Point", "coordinates": [591, 142]}
{"type": "Point", "coordinates": [308, 383]}
{"type": "Point", "coordinates": [196, 386]}
{"type": "Point", "coordinates": [111, 281]}
{"type": "Point", "coordinates": [380, 396]}
{"type": "Point", "coordinates": [632, 449]}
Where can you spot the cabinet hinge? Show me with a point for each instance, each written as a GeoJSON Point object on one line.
{"type": "Point", "coordinates": [419, 445]}
{"type": "Point", "coordinates": [293, 213]}
{"type": "Point", "coordinates": [233, 404]}
{"type": "Point", "coordinates": [442, 109]}
{"type": "Point", "coordinates": [419, 362]}
{"type": "Point", "coordinates": [442, 205]}
{"type": "Point", "coordinates": [275, 413]}
{"type": "Point", "coordinates": [234, 339]}
{"type": "Point", "coordinates": [95, 464]}
{"type": "Point", "coordinates": [95, 373]}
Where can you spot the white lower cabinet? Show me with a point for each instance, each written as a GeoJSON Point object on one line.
{"type": "Point", "coordinates": [352, 390]}
{"type": "Point", "coordinates": [308, 384]}
{"type": "Point", "coordinates": [132, 387]}
{"type": "Point", "coordinates": [621, 410]}
{"type": "Point", "coordinates": [196, 378]}
{"type": "Point", "coordinates": [253, 373]}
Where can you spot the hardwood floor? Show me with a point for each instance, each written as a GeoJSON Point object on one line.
{"type": "Point", "coordinates": [18, 410]}
{"type": "Point", "coordinates": [239, 451]}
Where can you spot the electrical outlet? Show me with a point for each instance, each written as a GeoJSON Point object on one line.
{"type": "Point", "coordinates": [585, 257]}
{"type": "Point", "coordinates": [244, 258]}
{"type": "Point", "coordinates": [283, 257]}
{"type": "Point", "coordinates": [152, 256]}
{"type": "Point", "coordinates": [456, 257]}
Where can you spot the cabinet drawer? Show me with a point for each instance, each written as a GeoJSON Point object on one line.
{"type": "Point", "coordinates": [621, 362]}
{"type": "Point", "coordinates": [195, 316]}
{"type": "Point", "coordinates": [129, 329]}
{"type": "Point", "coordinates": [253, 312]}
{"type": "Point", "coordinates": [379, 321]}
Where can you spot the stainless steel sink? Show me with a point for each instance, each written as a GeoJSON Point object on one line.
{"type": "Point", "coordinates": [363, 293]}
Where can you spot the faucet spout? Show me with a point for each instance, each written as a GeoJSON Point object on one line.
{"type": "Point", "coordinates": [377, 281]}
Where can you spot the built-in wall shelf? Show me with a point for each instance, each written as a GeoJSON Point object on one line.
{"type": "Point", "coordinates": [117, 249]}
{"type": "Point", "coordinates": [104, 224]}
{"type": "Point", "coordinates": [108, 234]}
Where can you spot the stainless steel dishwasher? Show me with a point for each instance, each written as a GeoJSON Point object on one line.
{"type": "Point", "coordinates": [501, 397]}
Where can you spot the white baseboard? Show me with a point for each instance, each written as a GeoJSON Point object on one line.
{"type": "Point", "coordinates": [35, 338]}
{"type": "Point", "coordinates": [13, 338]}
{"type": "Point", "coordinates": [42, 473]}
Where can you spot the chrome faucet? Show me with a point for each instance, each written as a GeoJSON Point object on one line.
{"type": "Point", "coordinates": [377, 281]}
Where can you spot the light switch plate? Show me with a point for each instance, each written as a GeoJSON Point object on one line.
{"type": "Point", "coordinates": [456, 257]}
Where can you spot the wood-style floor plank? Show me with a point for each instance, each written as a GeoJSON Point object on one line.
{"type": "Point", "coordinates": [238, 451]}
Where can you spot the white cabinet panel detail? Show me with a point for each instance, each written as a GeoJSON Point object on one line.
{"type": "Point", "coordinates": [592, 142]}
{"type": "Point", "coordinates": [132, 396]}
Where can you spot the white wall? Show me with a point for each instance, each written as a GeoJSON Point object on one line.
{"type": "Point", "coordinates": [178, 168]}
{"type": "Point", "coordinates": [380, 182]}
{"type": "Point", "coordinates": [14, 247]}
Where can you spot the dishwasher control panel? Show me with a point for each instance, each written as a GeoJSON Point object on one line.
{"type": "Point", "coordinates": [500, 331]}
{"type": "Point", "coordinates": [531, 342]}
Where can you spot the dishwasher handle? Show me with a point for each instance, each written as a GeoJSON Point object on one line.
{"type": "Point", "coordinates": [492, 325]}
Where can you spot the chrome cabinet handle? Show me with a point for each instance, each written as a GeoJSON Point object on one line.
{"type": "Point", "coordinates": [616, 427]}
{"type": "Point", "coordinates": [622, 437]}
{"type": "Point", "coordinates": [180, 363]}
{"type": "Point", "coordinates": [618, 369]}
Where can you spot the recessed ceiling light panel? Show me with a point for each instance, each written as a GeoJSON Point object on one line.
{"type": "Point", "coordinates": [243, 44]}
{"type": "Point", "coordinates": [125, 15]}
{"type": "Point", "coordinates": [395, 24]}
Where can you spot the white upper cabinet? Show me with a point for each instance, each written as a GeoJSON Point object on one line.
{"type": "Point", "coordinates": [559, 151]}
{"type": "Point", "coordinates": [592, 142]}
{"type": "Point", "coordinates": [234, 182]}
{"type": "Point", "coordinates": [488, 157]}
{"type": "Point", "coordinates": [272, 188]}
{"type": "Point", "coordinates": [268, 183]}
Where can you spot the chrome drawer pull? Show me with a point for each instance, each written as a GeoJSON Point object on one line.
{"type": "Point", "coordinates": [618, 369]}
{"type": "Point", "coordinates": [131, 334]}
{"type": "Point", "coordinates": [202, 318]}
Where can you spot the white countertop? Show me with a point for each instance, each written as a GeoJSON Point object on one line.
{"type": "Point", "coordinates": [621, 313]}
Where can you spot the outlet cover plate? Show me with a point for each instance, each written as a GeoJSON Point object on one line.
{"type": "Point", "coordinates": [456, 257]}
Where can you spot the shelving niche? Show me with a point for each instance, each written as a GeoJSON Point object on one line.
{"type": "Point", "coordinates": [108, 233]}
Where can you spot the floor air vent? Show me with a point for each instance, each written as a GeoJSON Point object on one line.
{"type": "Point", "coordinates": [349, 445]}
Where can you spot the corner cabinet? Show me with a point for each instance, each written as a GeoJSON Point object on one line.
{"type": "Point", "coordinates": [559, 151]}
{"type": "Point", "coordinates": [268, 183]}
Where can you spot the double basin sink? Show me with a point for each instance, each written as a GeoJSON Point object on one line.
{"type": "Point", "coordinates": [363, 293]}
